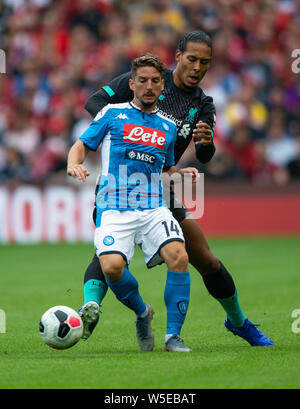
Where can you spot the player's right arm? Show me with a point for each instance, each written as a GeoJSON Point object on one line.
{"type": "Point", "coordinates": [89, 140]}
{"type": "Point", "coordinates": [116, 91]}
{"type": "Point", "coordinates": [76, 157]}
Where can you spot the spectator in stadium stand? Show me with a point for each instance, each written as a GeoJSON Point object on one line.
{"type": "Point", "coordinates": [14, 171]}
{"type": "Point", "coordinates": [294, 165]}
{"type": "Point", "coordinates": [194, 113]}
{"type": "Point", "coordinates": [281, 148]}
{"type": "Point", "coordinates": [240, 146]}
{"type": "Point", "coordinates": [264, 172]}
{"type": "Point", "coordinates": [5, 13]}
{"type": "Point", "coordinates": [87, 14]}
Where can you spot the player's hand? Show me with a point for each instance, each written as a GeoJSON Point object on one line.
{"type": "Point", "coordinates": [78, 172]}
{"type": "Point", "coordinates": [202, 134]}
{"type": "Point", "coordinates": [192, 171]}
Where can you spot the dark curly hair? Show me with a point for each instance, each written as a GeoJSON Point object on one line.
{"type": "Point", "coordinates": [196, 36]}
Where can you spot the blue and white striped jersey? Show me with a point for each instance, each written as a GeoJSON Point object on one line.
{"type": "Point", "coordinates": [135, 147]}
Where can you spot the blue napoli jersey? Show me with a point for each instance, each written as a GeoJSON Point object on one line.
{"type": "Point", "coordinates": [135, 147]}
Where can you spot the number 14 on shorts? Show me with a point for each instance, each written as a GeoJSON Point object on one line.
{"type": "Point", "coordinates": [171, 228]}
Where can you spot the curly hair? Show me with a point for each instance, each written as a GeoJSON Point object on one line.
{"type": "Point", "coordinates": [196, 36]}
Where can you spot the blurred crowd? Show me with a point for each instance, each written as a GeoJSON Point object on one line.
{"type": "Point", "coordinates": [58, 52]}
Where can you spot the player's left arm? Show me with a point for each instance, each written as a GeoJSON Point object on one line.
{"type": "Point", "coordinates": [169, 165]}
{"type": "Point", "coordinates": [204, 131]}
{"type": "Point", "coordinates": [183, 171]}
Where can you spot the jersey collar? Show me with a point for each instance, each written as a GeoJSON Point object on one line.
{"type": "Point", "coordinates": [139, 109]}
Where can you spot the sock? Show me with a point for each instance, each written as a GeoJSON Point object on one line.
{"type": "Point", "coordinates": [168, 336]}
{"type": "Point", "coordinates": [94, 271]}
{"type": "Point", "coordinates": [94, 290]}
{"type": "Point", "coordinates": [221, 286]}
{"type": "Point", "coordinates": [233, 310]}
{"type": "Point", "coordinates": [127, 291]}
{"type": "Point", "coordinates": [176, 297]}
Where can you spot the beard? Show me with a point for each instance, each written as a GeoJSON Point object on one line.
{"type": "Point", "coordinates": [146, 103]}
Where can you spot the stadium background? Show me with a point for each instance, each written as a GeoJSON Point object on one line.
{"type": "Point", "coordinates": [59, 52]}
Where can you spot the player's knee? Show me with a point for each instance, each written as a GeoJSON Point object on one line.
{"type": "Point", "coordinates": [183, 262]}
{"type": "Point", "coordinates": [177, 259]}
{"type": "Point", "coordinates": [112, 266]}
{"type": "Point", "coordinates": [205, 262]}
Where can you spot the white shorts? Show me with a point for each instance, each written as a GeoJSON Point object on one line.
{"type": "Point", "coordinates": [151, 229]}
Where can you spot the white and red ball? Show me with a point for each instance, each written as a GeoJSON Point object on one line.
{"type": "Point", "coordinates": [61, 327]}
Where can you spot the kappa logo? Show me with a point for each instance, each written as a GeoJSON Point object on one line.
{"type": "Point", "coordinates": [122, 116]}
{"type": "Point", "coordinates": [144, 135]}
{"type": "Point", "coordinates": [133, 154]}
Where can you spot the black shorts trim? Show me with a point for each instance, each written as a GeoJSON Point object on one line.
{"type": "Point", "coordinates": [158, 251]}
{"type": "Point", "coordinates": [114, 252]}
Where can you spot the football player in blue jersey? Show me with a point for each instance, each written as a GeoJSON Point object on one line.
{"type": "Point", "coordinates": [183, 101]}
{"type": "Point", "coordinates": [137, 143]}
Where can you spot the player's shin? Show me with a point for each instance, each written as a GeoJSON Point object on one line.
{"type": "Point", "coordinates": [176, 297]}
{"type": "Point", "coordinates": [221, 286]}
{"type": "Point", "coordinates": [95, 287]}
{"type": "Point", "coordinates": [94, 290]}
{"type": "Point", "coordinates": [126, 290]}
{"type": "Point", "coordinates": [233, 309]}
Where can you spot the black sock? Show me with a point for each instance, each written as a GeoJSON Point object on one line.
{"type": "Point", "coordinates": [219, 284]}
{"type": "Point", "coordinates": [94, 271]}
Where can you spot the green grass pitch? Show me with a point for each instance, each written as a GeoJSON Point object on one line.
{"type": "Point", "coordinates": [36, 277]}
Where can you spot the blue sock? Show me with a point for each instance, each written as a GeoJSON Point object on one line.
{"type": "Point", "coordinates": [127, 291]}
{"type": "Point", "coordinates": [94, 290]}
{"type": "Point", "coordinates": [177, 297]}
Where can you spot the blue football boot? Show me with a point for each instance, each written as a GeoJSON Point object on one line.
{"type": "Point", "coordinates": [250, 333]}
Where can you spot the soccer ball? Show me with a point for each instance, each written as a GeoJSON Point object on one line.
{"type": "Point", "coordinates": [61, 327]}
